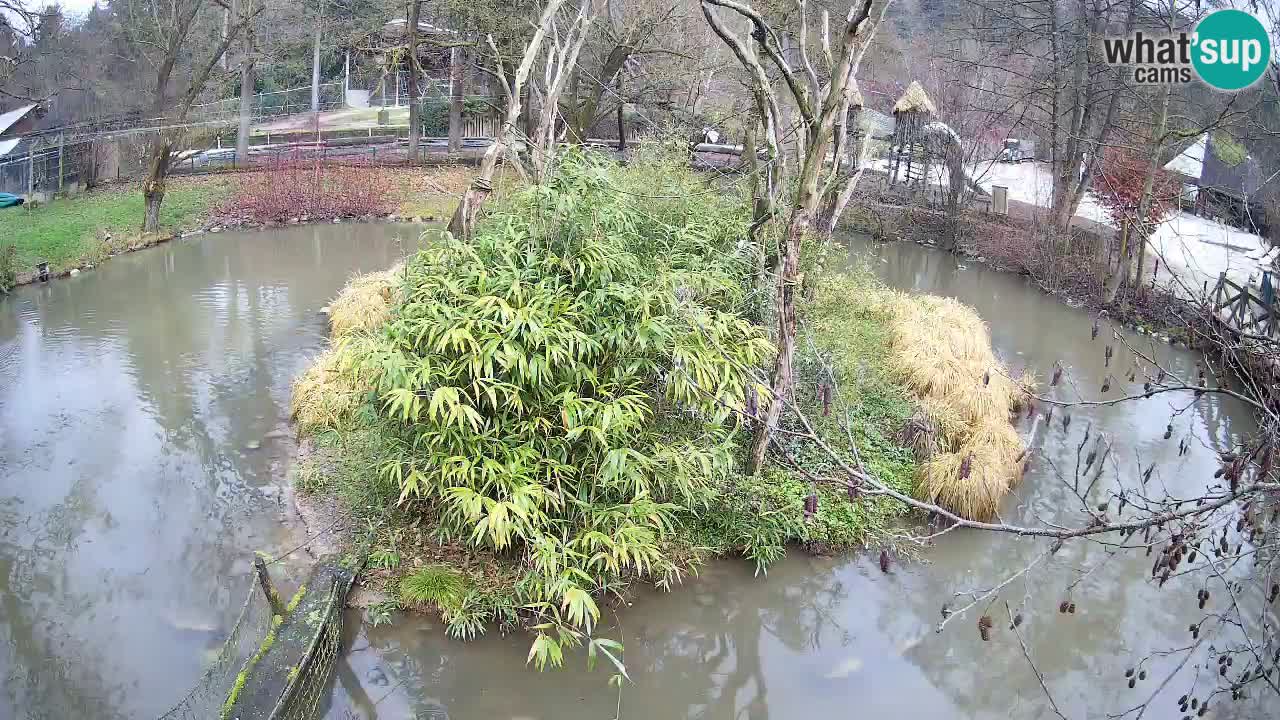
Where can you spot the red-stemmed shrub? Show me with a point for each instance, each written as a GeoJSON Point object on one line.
{"type": "Point", "coordinates": [297, 188]}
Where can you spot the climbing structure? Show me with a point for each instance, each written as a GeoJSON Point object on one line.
{"type": "Point", "coordinates": [912, 153]}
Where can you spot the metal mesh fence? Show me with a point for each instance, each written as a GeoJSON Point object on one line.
{"type": "Point", "coordinates": [274, 667]}
{"type": "Point", "coordinates": [50, 169]}
{"type": "Point", "coordinates": [301, 699]}
{"type": "Point", "coordinates": [205, 700]}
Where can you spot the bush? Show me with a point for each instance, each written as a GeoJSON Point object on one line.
{"type": "Point", "coordinates": [301, 188]}
{"type": "Point", "coordinates": [560, 389]}
{"type": "Point", "coordinates": [8, 267]}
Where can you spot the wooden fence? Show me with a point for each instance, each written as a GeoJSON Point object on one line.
{"type": "Point", "coordinates": [1246, 309]}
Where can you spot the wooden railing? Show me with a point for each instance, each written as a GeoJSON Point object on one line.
{"type": "Point", "coordinates": [1245, 310]}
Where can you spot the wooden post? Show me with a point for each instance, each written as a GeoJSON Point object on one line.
{"type": "Point", "coordinates": [62, 146]}
{"type": "Point", "coordinates": [268, 589]}
{"type": "Point", "coordinates": [31, 172]}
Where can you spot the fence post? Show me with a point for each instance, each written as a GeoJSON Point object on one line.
{"type": "Point", "coordinates": [31, 171]}
{"type": "Point", "coordinates": [268, 589]}
{"type": "Point", "coordinates": [61, 165]}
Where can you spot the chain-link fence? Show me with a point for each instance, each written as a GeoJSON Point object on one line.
{"type": "Point", "coordinates": [206, 699]}
{"type": "Point", "coordinates": [55, 167]}
{"type": "Point", "coordinates": [272, 104]}
{"type": "Point", "coordinates": [278, 661]}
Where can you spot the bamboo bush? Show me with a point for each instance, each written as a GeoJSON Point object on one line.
{"type": "Point", "coordinates": [560, 390]}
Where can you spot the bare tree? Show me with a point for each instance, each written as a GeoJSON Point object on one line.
{"type": "Point", "coordinates": [462, 225]}
{"type": "Point", "coordinates": [247, 63]}
{"type": "Point", "coordinates": [820, 104]}
{"type": "Point", "coordinates": [162, 33]}
{"type": "Point", "coordinates": [415, 72]}
{"type": "Point", "coordinates": [559, 66]}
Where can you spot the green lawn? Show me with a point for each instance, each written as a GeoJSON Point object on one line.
{"type": "Point", "coordinates": [69, 232]}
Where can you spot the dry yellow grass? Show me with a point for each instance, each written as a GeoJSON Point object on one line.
{"type": "Point", "coordinates": [324, 395]}
{"type": "Point", "coordinates": [942, 352]}
{"type": "Point", "coordinates": [365, 303]}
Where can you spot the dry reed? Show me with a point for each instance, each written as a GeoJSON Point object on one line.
{"type": "Point", "coordinates": [942, 354]}
{"type": "Point", "coordinates": [365, 303]}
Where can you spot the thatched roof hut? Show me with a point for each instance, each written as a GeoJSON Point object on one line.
{"type": "Point", "coordinates": [914, 100]}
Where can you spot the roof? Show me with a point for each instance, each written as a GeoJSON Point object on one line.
{"type": "Point", "coordinates": [7, 120]}
{"type": "Point", "coordinates": [1190, 162]}
{"type": "Point", "coordinates": [914, 100]}
{"type": "Point", "coordinates": [1241, 180]}
{"type": "Point", "coordinates": [6, 146]}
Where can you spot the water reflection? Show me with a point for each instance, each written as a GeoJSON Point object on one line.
{"type": "Point", "coordinates": [836, 637]}
{"type": "Point", "coordinates": [131, 400]}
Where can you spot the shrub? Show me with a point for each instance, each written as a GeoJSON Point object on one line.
{"type": "Point", "coordinates": [561, 388]}
{"type": "Point", "coordinates": [301, 188]}
{"type": "Point", "coordinates": [8, 267]}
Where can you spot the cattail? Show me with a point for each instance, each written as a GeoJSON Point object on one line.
{"type": "Point", "coordinates": [966, 466]}
{"type": "Point", "coordinates": [1147, 475]}
{"type": "Point", "coordinates": [1107, 361]}
{"type": "Point", "coordinates": [1160, 376]}
{"type": "Point", "coordinates": [1123, 499]}
{"type": "Point", "coordinates": [1048, 416]}
{"type": "Point", "coordinates": [1129, 673]}
{"type": "Point", "coordinates": [1094, 335]}
{"type": "Point", "coordinates": [1142, 674]}
{"type": "Point", "coordinates": [946, 611]}
{"type": "Point", "coordinates": [1168, 431]}
{"type": "Point", "coordinates": [884, 561]}
{"type": "Point", "coordinates": [1133, 372]}
{"type": "Point", "coordinates": [984, 627]}
{"type": "Point", "coordinates": [1275, 592]}
{"type": "Point", "coordinates": [1088, 461]}
{"type": "Point", "coordinates": [1017, 620]}
{"type": "Point", "coordinates": [1195, 702]}
{"type": "Point", "coordinates": [1066, 420]}
{"type": "Point", "coordinates": [1031, 408]}
{"type": "Point", "coordinates": [1071, 608]}
{"type": "Point", "coordinates": [1057, 375]}
{"type": "Point", "coordinates": [1132, 682]}
{"type": "Point", "coordinates": [1062, 606]}
{"type": "Point", "coordinates": [986, 378]}
{"type": "Point", "coordinates": [1106, 384]}
{"type": "Point", "coordinates": [1240, 524]}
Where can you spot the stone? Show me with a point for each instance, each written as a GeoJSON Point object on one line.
{"type": "Point", "coordinates": [981, 259]}
{"type": "Point", "coordinates": [75, 272]}
{"type": "Point", "coordinates": [337, 220]}
{"type": "Point", "coordinates": [252, 445]}
{"type": "Point", "coordinates": [215, 228]}
{"type": "Point", "coordinates": [324, 310]}
{"type": "Point", "coordinates": [275, 434]}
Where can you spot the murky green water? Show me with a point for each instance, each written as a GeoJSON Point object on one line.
{"type": "Point", "coordinates": [131, 400]}
{"type": "Point", "coordinates": [130, 396]}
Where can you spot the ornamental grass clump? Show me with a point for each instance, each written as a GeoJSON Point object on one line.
{"type": "Point", "coordinates": [560, 389]}
{"type": "Point", "coordinates": [942, 354]}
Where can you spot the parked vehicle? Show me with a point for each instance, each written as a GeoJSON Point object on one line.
{"type": "Point", "coordinates": [1016, 151]}
{"type": "Point", "coordinates": [8, 200]}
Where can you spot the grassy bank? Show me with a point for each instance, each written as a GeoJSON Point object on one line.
{"type": "Point", "coordinates": [73, 231]}
{"type": "Point", "coordinates": [527, 423]}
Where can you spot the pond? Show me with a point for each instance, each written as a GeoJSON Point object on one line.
{"type": "Point", "coordinates": [142, 416]}
{"type": "Point", "coordinates": [143, 410]}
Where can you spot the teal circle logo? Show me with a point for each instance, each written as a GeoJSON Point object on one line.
{"type": "Point", "coordinates": [1232, 49]}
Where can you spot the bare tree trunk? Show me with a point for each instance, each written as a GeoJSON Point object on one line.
{"type": "Point", "coordinates": [315, 60]}
{"type": "Point", "coordinates": [455, 99]}
{"type": "Point", "coordinates": [415, 121]}
{"type": "Point", "coordinates": [622, 128]}
{"type": "Point", "coordinates": [153, 187]}
{"type": "Point", "coordinates": [246, 99]}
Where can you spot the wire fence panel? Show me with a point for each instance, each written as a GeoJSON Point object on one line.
{"type": "Point", "coordinates": [205, 700]}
